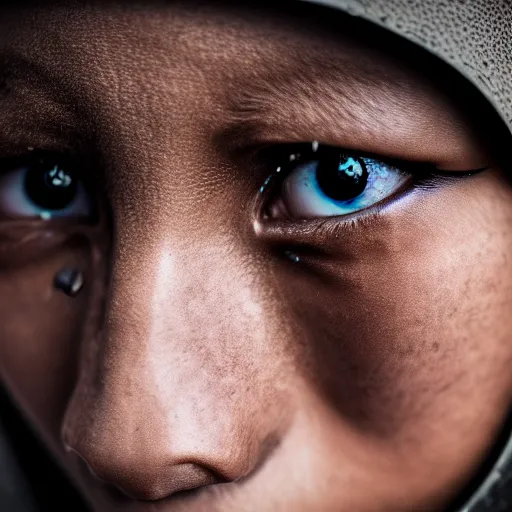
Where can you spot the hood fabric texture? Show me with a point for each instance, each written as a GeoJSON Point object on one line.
{"type": "Point", "coordinates": [475, 37]}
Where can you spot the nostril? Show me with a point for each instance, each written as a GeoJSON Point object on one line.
{"type": "Point", "coordinates": [152, 483]}
{"type": "Point", "coordinates": [146, 465]}
{"type": "Point", "coordinates": [182, 478]}
{"type": "Point", "coordinates": [138, 473]}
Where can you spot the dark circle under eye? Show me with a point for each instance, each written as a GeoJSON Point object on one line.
{"type": "Point", "coordinates": [341, 177]}
{"type": "Point", "coordinates": [50, 184]}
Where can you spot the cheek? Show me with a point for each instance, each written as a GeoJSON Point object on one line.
{"type": "Point", "coordinates": [409, 320]}
{"type": "Point", "coordinates": [40, 334]}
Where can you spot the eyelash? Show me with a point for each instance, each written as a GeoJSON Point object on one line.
{"type": "Point", "coordinates": [85, 163]}
{"type": "Point", "coordinates": [436, 178]}
{"type": "Point", "coordinates": [424, 177]}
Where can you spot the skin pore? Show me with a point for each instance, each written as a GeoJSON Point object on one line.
{"type": "Point", "coordinates": [368, 371]}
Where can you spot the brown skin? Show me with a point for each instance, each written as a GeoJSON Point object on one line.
{"type": "Point", "coordinates": [372, 376]}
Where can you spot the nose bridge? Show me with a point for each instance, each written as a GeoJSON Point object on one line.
{"type": "Point", "coordinates": [170, 381]}
{"type": "Point", "coordinates": [180, 309]}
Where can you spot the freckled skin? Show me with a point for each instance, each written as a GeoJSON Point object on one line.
{"type": "Point", "coordinates": [373, 375]}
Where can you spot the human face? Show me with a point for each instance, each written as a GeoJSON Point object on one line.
{"type": "Point", "coordinates": [263, 344]}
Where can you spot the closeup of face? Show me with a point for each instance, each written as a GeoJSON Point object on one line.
{"type": "Point", "coordinates": [294, 244]}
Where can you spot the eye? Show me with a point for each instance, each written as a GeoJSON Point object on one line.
{"type": "Point", "coordinates": [329, 182]}
{"type": "Point", "coordinates": [44, 187]}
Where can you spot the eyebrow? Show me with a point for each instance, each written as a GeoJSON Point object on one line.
{"type": "Point", "coordinates": [34, 104]}
{"type": "Point", "coordinates": [279, 96]}
{"type": "Point", "coordinates": [381, 109]}
{"type": "Point", "coordinates": [16, 67]}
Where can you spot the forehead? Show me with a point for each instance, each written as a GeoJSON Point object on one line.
{"type": "Point", "coordinates": [209, 37]}
{"type": "Point", "coordinates": [115, 49]}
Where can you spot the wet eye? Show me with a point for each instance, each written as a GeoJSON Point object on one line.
{"type": "Point", "coordinates": [333, 183]}
{"type": "Point", "coordinates": [44, 187]}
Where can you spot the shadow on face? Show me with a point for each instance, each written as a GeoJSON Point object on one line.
{"type": "Point", "coordinates": [295, 252]}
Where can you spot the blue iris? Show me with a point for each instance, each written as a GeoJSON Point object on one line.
{"type": "Point", "coordinates": [307, 194]}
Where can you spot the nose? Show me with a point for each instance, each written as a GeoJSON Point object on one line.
{"type": "Point", "coordinates": [149, 480]}
{"type": "Point", "coordinates": [171, 394]}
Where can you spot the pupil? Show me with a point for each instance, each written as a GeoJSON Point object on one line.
{"type": "Point", "coordinates": [50, 186]}
{"type": "Point", "coordinates": [341, 177]}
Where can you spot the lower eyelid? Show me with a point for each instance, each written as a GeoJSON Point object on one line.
{"type": "Point", "coordinates": [25, 240]}
{"type": "Point", "coordinates": [22, 241]}
{"type": "Point", "coordinates": [325, 231]}
{"type": "Point", "coordinates": [307, 232]}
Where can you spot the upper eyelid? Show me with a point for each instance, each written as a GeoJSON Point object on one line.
{"type": "Point", "coordinates": [278, 154]}
{"type": "Point", "coordinates": [91, 180]}
{"type": "Point", "coordinates": [23, 159]}
{"type": "Point", "coordinates": [417, 168]}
